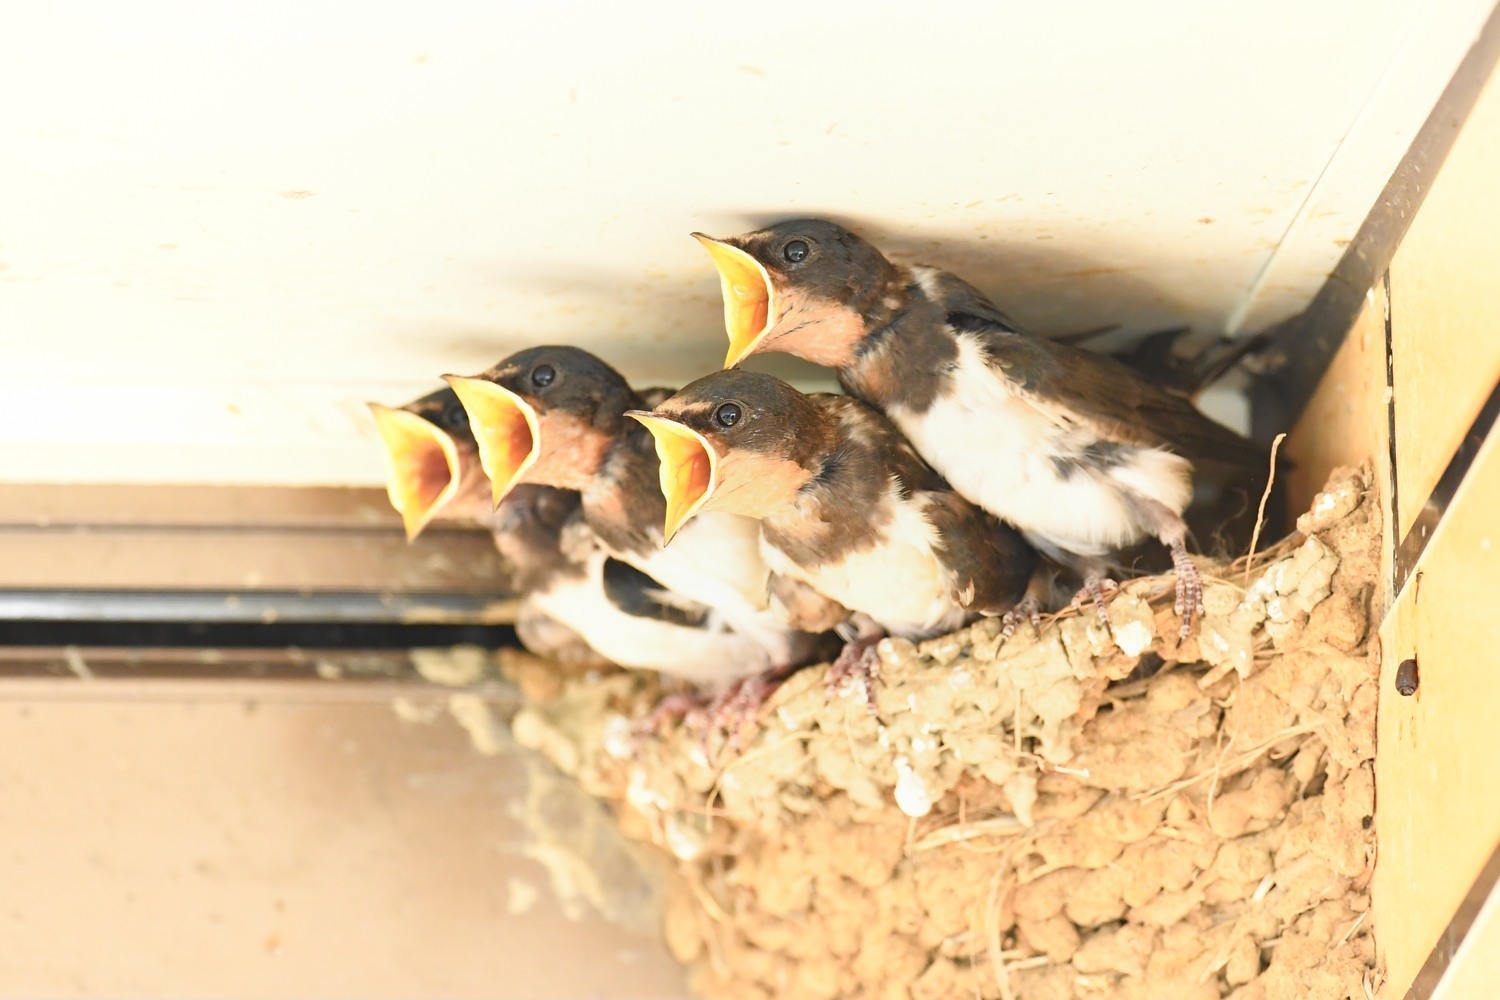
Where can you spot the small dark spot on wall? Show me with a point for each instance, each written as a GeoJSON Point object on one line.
{"type": "Point", "coordinates": [1207, 220]}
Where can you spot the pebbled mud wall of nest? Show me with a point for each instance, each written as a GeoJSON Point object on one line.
{"type": "Point", "coordinates": [1083, 813]}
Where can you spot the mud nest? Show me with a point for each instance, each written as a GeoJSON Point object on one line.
{"type": "Point", "coordinates": [1087, 812]}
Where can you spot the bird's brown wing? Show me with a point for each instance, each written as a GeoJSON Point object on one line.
{"type": "Point", "coordinates": [803, 608]}
{"type": "Point", "coordinates": [1108, 397]}
{"type": "Point", "coordinates": [990, 562]}
{"type": "Point", "coordinates": [871, 435]}
{"type": "Point", "coordinates": [637, 594]}
{"type": "Point", "coordinates": [959, 297]}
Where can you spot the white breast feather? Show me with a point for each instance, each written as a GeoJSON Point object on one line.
{"type": "Point", "coordinates": [901, 584]}
{"type": "Point", "coordinates": [716, 560]}
{"type": "Point", "coordinates": [711, 655]}
{"type": "Point", "coordinates": [997, 449]}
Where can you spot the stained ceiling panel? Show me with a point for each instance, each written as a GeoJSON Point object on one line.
{"type": "Point", "coordinates": [221, 232]}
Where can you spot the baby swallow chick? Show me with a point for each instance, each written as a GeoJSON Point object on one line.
{"type": "Point", "coordinates": [566, 577]}
{"type": "Point", "coordinates": [577, 604]}
{"type": "Point", "coordinates": [556, 416]}
{"type": "Point", "coordinates": [432, 466]}
{"type": "Point", "coordinates": [1079, 452]}
{"type": "Point", "coordinates": [847, 509]}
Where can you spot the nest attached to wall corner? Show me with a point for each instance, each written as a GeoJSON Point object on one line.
{"type": "Point", "coordinates": [1083, 813]}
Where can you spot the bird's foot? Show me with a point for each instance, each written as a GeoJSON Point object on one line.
{"type": "Point", "coordinates": [858, 661]}
{"type": "Point", "coordinates": [688, 706]}
{"type": "Point", "coordinates": [1097, 589]}
{"type": "Point", "coordinates": [1189, 602]}
{"type": "Point", "coordinates": [738, 707]}
{"type": "Point", "coordinates": [1029, 609]}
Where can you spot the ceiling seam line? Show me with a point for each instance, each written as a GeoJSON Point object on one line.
{"type": "Point", "coordinates": [1237, 315]}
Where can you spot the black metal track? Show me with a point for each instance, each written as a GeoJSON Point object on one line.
{"type": "Point", "coordinates": [250, 635]}
{"type": "Point", "coordinates": [247, 619]}
{"type": "Point", "coordinates": [1431, 513]}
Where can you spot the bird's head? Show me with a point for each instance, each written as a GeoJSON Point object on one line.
{"type": "Point", "coordinates": [530, 506]}
{"type": "Point", "coordinates": [528, 525]}
{"type": "Point", "coordinates": [735, 441]}
{"type": "Point", "coordinates": [806, 287]}
{"type": "Point", "coordinates": [544, 415]}
{"type": "Point", "coordinates": [432, 467]}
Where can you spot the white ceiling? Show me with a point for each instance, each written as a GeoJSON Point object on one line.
{"type": "Point", "coordinates": [221, 232]}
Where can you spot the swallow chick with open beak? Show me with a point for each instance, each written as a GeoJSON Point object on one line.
{"type": "Point", "coordinates": [1079, 452]}
{"type": "Point", "coordinates": [620, 612]}
{"type": "Point", "coordinates": [577, 605]}
{"type": "Point", "coordinates": [432, 468]}
{"type": "Point", "coordinates": [556, 415]}
{"type": "Point", "coordinates": [846, 507]}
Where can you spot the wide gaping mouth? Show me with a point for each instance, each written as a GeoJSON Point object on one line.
{"type": "Point", "coordinates": [689, 468]}
{"type": "Point", "coordinates": [505, 429]}
{"type": "Point", "coordinates": [421, 466]}
{"type": "Point", "coordinates": [749, 299]}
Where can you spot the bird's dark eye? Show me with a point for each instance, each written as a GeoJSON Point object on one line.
{"type": "Point", "coordinates": [727, 415]}
{"type": "Point", "coordinates": [543, 376]}
{"type": "Point", "coordinates": [456, 416]}
{"type": "Point", "coordinates": [795, 251]}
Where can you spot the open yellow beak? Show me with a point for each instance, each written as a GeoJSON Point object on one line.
{"type": "Point", "coordinates": [688, 468]}
{"type": "Point", "coordinates": [749, 300]}
{"type": "Point", "coordinates": [505, 428]}
{"type": "Point", "coordinates": [421, 466]}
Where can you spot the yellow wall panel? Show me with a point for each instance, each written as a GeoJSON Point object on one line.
{"type": "Point", "coordinates": [1445, 308]}
{"type": "Point", "coordinates": [1438, 767]}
